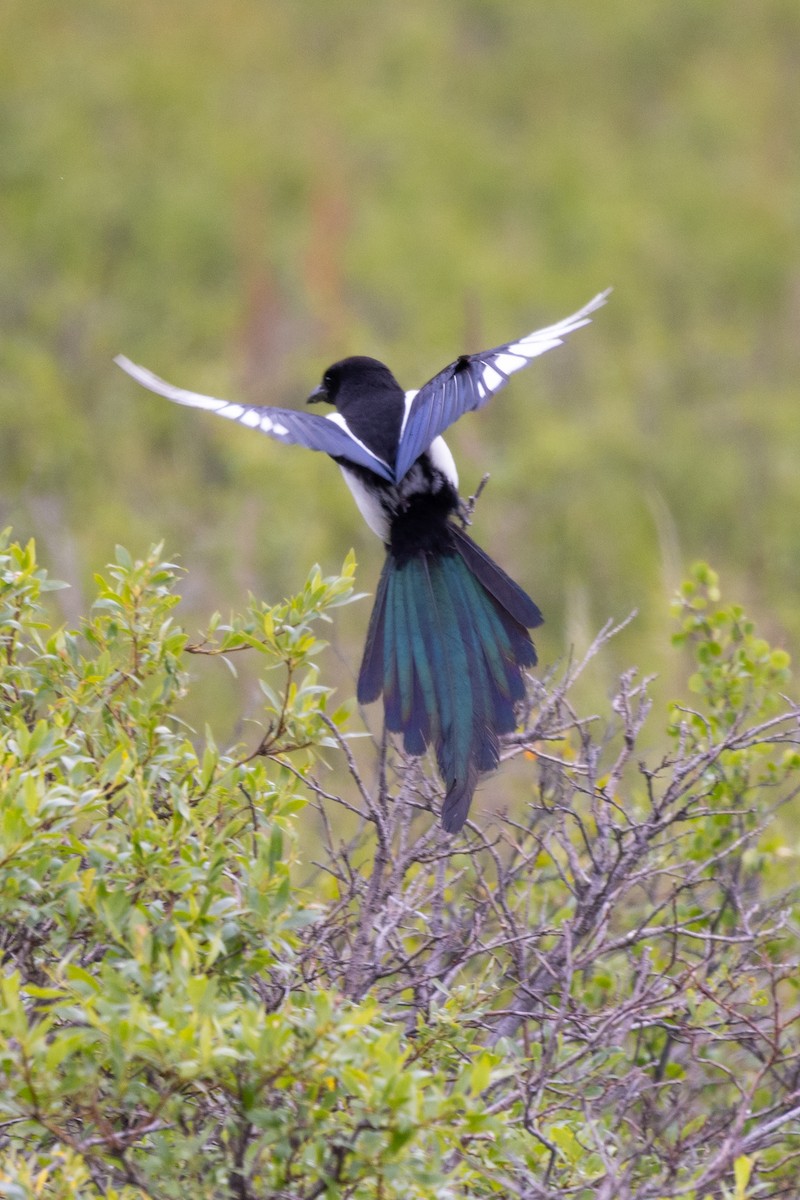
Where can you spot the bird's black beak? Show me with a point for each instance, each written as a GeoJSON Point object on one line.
{"type": "Point", "coordinates": [319, 395]}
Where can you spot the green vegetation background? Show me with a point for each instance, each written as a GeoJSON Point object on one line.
{"type": "Point", "coordinates": [236, 194]}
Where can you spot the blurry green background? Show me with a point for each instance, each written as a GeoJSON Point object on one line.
{"type": "Point", "coordinates": [236, 194]}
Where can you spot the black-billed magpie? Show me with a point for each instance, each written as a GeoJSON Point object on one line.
{"type": "Point", "coordinates": [448, 639]}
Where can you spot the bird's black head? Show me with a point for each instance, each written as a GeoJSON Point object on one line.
{"type": "Point", "coordinates": [356, 377]}
{"type": "Point", "coordinates": [370, 399]}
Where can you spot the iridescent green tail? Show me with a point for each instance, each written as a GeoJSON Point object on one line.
{"type": "Point", "coordinates": [447, 646]}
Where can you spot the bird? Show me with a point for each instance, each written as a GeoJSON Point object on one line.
{"type": "Point", "coordinates": [448, 642]}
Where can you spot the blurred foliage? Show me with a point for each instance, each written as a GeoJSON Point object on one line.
{"type": "Point", "coordinates": [236, 196]}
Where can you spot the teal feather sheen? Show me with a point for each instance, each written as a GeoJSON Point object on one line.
{"type": "Point", "coordinates": [454, 690]}
{"type": "Point", "coordinates": [390, 650]}
{"type": "Point", "coordinates": [491, 636]}
{"type": "Point", "coordinates": [449, 658]}
{"type": "Point", "coordinates": [404, 653]}
{"type": "Point", "coordinates": [425, 713]}
{"type": "Point", "coordinates": [479, 676]}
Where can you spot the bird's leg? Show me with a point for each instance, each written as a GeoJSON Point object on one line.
{"type": "Point", "coordinates": [467, 507]}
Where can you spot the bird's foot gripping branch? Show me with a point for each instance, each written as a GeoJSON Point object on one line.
{"type": "Point", "coordinates": [226, 972]}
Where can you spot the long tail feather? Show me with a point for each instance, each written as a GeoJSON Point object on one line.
{"type": "Point", "coordinates": [447, 645]}
{"type": "Point", "coordinates": [508, 594]}
{"type": "Point", "coordinates": [370, 677]}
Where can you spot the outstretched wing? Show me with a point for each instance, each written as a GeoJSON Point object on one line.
{"type": "Point", "coordinates": [472, 380]}
{"type": "Point", "coordinates": [284, 424]}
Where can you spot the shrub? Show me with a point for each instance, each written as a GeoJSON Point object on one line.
{"type": "Point", "coordinates": [209, 988]}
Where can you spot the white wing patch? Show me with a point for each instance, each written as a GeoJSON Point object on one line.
{"type": "Point", "coordinates": [509, 363]}
{"type": "Point", "coordinates": [491, 378]}
{"type": "Point", "coordinates": [270, 426]}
